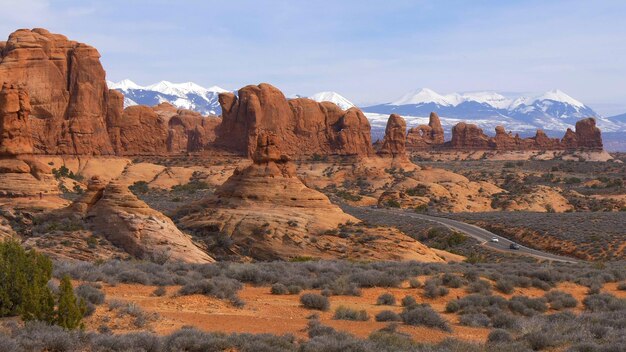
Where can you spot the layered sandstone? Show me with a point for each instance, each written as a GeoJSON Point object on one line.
{"type": "Point", "coordinates": [304, 127]}
{"type": "Point", "coordinates": [26, 178]}
{"type": "Point", "coordinates": [15, 132]}
{"type": "Point", "coordinates": [426, 136]}
{"type": "Point", "coordinates": [267, 213]}
{"type": "Point", "coordinates": [130, 224]}
{"type": "Point", "coordinates": [69, 97]}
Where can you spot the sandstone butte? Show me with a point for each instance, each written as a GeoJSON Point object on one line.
{"type": "Point", "coordinates": [73, 112]}
{"type": "Point", "coordinates": [268, 213]}
{"type": "Point", "coordinates": [303, 126]}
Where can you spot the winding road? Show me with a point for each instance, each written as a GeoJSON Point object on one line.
{"type": "Point", "coordinates": [480, 234]}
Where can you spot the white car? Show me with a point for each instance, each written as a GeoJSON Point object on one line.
{"type": "Point", "coordinates": [495, 239]}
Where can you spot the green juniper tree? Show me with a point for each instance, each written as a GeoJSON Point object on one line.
{"type": "Point", "coordinates": [70, 310]}
{"type": "Point", "coordinates": [24, 277]}
{"type": "Point", "coordinates": [24, 291]}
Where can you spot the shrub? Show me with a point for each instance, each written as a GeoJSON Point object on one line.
{"type": "Point", "coordinates": [408, 301]}
{"type": "Point", "coordinates": [604, 302]}
{"type": "Point", "coordinates": [504, 286]}
{"type": "Point", "coordinates": [527, 306]}
{"type": "Point", "coordinates": [539, 340]}
{"type": "Point", "coordinates": [387, 315]}
{"type": "Point", "coordinates": [139, 187]}
{"type": "Point", "coordinates": [622, 286]}
{"type": "Point", "coordinates": [474, 319]}
{"type": "Point", "coordinates": [424, 316]}
{"type": "Point", "coordinates": [344, 313]}
{"type": "Point", "coordinates": [415, 283]}
{"type": "Point", "coordinates": [503, 320]}
{"type": "Point", "coordinates": [160, 291]}
{"type": "Point", "coordinates": [499, 336]}
{"type": "Point", "coordinates": [294, 289]}
{"type": "Point", "coordinates": [479, 286]}
{"type": "Point", "coordinates": [315, 301]}
{"type": "Point", "coordinates": [220, 287]}
{"type": "Point", "coordinates": [386, 299]}
{"type": "Point", "coordinates": [451, 280]}
{"type": "Point", "coordinates": [559, 300]}
{"type": "Point", "coordinates": [90, 294]}
{"type": "Point", "coordinates": [279, 289]}
{"type": "Point", "coordinates": [433, 288]}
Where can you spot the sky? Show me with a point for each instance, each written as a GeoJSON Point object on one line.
{"type": "Point", "coordinates": [368, 51]}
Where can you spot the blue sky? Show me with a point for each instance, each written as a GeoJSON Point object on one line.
{"type": "Point", "coordinates": [369, 51]}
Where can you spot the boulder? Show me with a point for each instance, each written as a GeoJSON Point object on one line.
{"type": "Point", "coordinates": [66, 83]}
{"type": "Point", "coordinates": [304, 127]}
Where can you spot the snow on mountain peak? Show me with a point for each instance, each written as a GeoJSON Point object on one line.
{"type": "Point", "coordinates": [560, 96]}
{"type": "Point", "coordinates": [422, 96]}
{"type": "Point", "coordinates": [494, 99]}
{"type": "Point", "coordinates": [333, 97]}
{"type": "Point", "coordinates": [124, 85]}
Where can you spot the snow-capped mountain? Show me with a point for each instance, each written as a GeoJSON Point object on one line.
{"type": "Point", "coordinates": [333, 97]}
{"type": "Point", "coordinates": [551, 111]}
{"type": "Point", "coordinates": [183, 95]}
{"type": "Point", "coordinates": [619, 118]}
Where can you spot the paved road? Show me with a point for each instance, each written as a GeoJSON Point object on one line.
{"type": "Point", "coordinates": [480, 234]}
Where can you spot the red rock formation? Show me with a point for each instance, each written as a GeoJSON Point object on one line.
{"type": "Point", "coordinates": [468, 136]}
{"type": "Point", "coordinates": [588, 135]}
{"type": "Point", "coordinates": [305, 127]}
{"type": "Point", "coordinates": [162, 129]}
{"type": "Point", "coordinates": [67, 88]}
{"type": "Point", "coordinates": [543, 142]}
{"type": "Point", "coordinates": [139, 131]}
{"type": "Point", "coordinates": [426, 136]}
{"type": "Point", "coordinates": [569, 140]}
{"type": "Point", "coordinates": [395, 137]}
{"type": "Point", "coordinates": [188, 131]}
{"type": "Point", "coordinates": [15, 132]}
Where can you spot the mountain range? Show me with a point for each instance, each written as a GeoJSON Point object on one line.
{"type": "Point", "coordinates": [551, 111]}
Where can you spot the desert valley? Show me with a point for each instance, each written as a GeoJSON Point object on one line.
{"type": "Point", "coordinates": [281, 224]}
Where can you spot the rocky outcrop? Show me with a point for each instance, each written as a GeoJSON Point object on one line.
{"type": "Point", "coordinates": [162, 129]}
{"type": "Point", "coordinates": [542, 142]}
{"type": "Point", "coordinates": [26, 178]}
{"type": "Point", "coordinates": [188, 131]}
{"type": "Point", "coordinates": [426, 136]}
{"type": "Point", "coordinates": [267, 213]}
{"type": "Point", "coordinates": [395, 137]}
{"type": "Point", "coordinates": [139, 131]}
{"type": "Point", "coordinates": [69, 97]}
{"type": "Point", "coordinates": [468, 136]}
{"type": "Point", "coordinates": [15, 132]}
{"type": "Point", "coordinates": [588, 136]}
{"type": "Point", "coordinates": [304, 127]}
{"type": "Point", "coordinates": [130, 224]}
